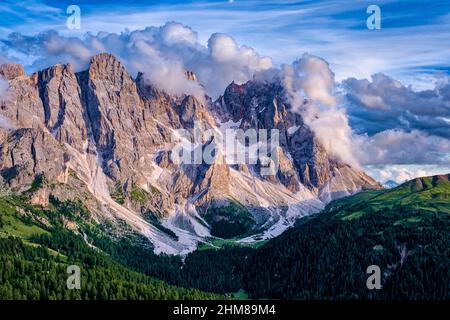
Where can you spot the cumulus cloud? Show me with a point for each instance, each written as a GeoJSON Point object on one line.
{"type": "Point", "coordinates": [232, 62]}
{"type": "Point", "coordinates": [396, 124]}
{"type": "Point", "coordinates": [385, 103]}
{"type": "Point", "coordinates": [310, 85]}
{"type": "Point", "coordinates": [311, 88]}
{"type": "Point", "coordinates": [162, 53]}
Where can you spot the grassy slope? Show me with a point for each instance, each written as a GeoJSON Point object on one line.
{"type": "Point", "coordinates": [13, 224]}
{"type": "Point", "coordinates": [430, 194]}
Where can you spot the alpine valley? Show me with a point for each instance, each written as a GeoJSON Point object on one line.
{"type": "Point", "coordinates": [87, 178]}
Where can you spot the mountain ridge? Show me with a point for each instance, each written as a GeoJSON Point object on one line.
{"type": "Point", "coordinates": [110, 136]}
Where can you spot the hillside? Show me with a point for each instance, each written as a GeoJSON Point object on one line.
{"type": "Point", "coordinates": [36, 248]}
{"type": "Point", "coordinates": [325, 256]}
{"type": "Point", "coordinates": [426, 193]}
{"type": "Point", "coordinates": [404, 230]}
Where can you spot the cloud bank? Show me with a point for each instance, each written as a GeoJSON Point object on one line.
{"type": "Point", "coordinates": [162, 53]}
{"type": "Point", "coordinates": [402, 173]}
{"type": "Point", "coordinates": [398, 125]}
{"type": "Point", "coordinates": [385, 103]}
{"type": "Point", "coordinates": [372, 123]}
{"type": "Point", "coordinates": [400, 147]}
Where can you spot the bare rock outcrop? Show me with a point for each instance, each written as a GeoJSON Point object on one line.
{"type": "Point", "coordinates": [102, 136]}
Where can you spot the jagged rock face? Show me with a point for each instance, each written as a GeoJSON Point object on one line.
{"type": "Point", "coordinates": [263, 106]}
{"type": "Point", "coordinates": [121, 132]}
{"type": "Point", "coordinates": [174, 112]}
{"type": "Point", "coordinates": [213, 182]}
{"type": "Point", "coordinates": [191, 111]}
{"type": "Point", "coordinates": [232, 102]}
{"type": "Point", "coordinates": [287, 173]}
{"type": "Point", "coordinates": [114, 133]}
{"type": "Point", "coordinates": [29, 153]}
{"type": "Point", "coordinates": [65, 116]}
{"type": "Point", "coordinates": [112, 103]}
{"type": "Point", "coordinates": [11, 71]}
{"type": "Point", "coordinates": [313, 163]}
{"type": "Point", "coordinates": [302, 158]}
{"type": "Point", "coordinates": [171, 113]}
{"type": "Point", "coordinates": [129, 123]}
{"type": "Point", "coordinates": [159, 106]}
{"type": "Point", "coordinates": [22, 105]}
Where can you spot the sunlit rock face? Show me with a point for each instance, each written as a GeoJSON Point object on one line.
{"type": "Point", "coordinates": [106, 139]}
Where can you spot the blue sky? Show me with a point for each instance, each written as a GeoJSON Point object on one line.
{"type": "Point", "coordinates": [411, 45]}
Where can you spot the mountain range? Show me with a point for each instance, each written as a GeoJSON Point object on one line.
{"type": "Point", "coordinates": [104, 139]}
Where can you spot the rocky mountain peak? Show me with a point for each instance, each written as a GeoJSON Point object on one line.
{"type": "Point", "coordinates": [56, 71]}
{"type": "Point", "coordinates": [263, 105]}
{"type": "Point", "coordinates": [107, 67]}
{"type": "Point", "coordinates": [11, 71]}
{"type": "Point", "coordinates": [115, 134]}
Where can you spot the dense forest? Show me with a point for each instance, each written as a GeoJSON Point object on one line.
{"type": "Point", "coordinates": [32, 272]}
{"type": "Point", "coordinates": [218, 271]}
{"type": "Point", "coordinates": [33, 262]}
{"type": "Point", "coordinates": [404, 231]}
{"type": "Point", "coordinates": [327, 258]}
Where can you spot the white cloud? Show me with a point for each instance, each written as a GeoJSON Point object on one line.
{"type": "Point", "coordinates": [173, 33]}
{"type": "Point", "coordinates": [310, 85]}
{"type": "Point", "coordinates": [399, 116]}
{"type": "Point", "coordinates": [400, 147]}
{"type": "Point", "coordinates": [311, 88]}
{"type": "Point", "coordinates": [163, 53]}
{"type": "Point", "coordinates": [171, 77]}
{"type": "Point", "coordinates": [415, 42]}
{"type": "Point", "coordinates": [227, 62]}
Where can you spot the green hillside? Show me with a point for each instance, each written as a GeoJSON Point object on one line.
{"type": "Point", "coordinates": [427, 194]}
{"type": "Point", "coordinates": [404, 230]}
{"type": "Point", "coordinates": [34, 257]}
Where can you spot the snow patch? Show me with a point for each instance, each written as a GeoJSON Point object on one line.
{"type": "Point", "coordinates": [292, 130]}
